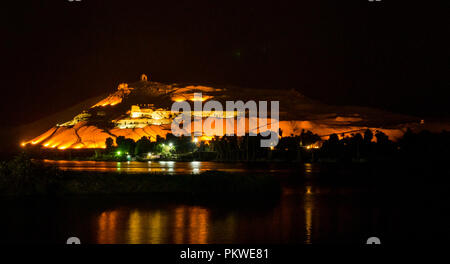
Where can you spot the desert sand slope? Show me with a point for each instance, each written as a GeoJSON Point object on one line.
{"type": "Point", "coordinates": [88, 124]}
{"type": "Point", "coordinates": [12, 136]}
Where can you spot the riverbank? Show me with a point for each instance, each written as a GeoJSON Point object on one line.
{"type": "Point", "coordinates": [23, 177]}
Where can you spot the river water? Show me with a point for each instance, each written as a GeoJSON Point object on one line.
{"type": "Point", "coordinates": [168, 167]}
{"type": "Point", "coordinates": [306, 212]}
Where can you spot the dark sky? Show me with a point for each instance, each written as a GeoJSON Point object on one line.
{"type": "Point", "coordinates": [392, 56]}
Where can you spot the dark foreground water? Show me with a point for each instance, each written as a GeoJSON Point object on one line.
{"type": "Point", "coordinates": [307, 211]}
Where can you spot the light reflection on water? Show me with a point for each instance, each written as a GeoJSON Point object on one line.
{"type": "Point", "coordinates": [308, 207]}
{"type": "Point", "coordinates": [182, 224]}
{"type": "Point", "coordinates": [304, 213]}
{"type": "Point", "coordinates": [194, 224]}
{"type": "Point", "coordinates": [291, 219]}
{"type": "Point", "coordinates": [170, 167]}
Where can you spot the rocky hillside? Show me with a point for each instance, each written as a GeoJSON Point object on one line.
{"type": "Point", "coordinates": [143, 109]}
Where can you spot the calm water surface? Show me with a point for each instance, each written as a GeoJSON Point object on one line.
{"type": "Point", "coordinates": [305, 212]}
{"type": "Point", "coordinates": [169, 167]}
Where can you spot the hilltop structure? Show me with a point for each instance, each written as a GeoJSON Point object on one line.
{"type": "Point", "coordinates": [143, 109]}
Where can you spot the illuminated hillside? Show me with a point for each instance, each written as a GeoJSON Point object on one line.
{"type": "Point", "coordinates": [143, 109]}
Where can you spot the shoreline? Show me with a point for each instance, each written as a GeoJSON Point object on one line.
{"type": "Point", "coordinates": [24, 177]}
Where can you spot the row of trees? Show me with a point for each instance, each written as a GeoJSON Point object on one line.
{"type": "Point", "coordinates": [162, 146]}
{"type": "Point", "coordinates": [423, 145]}
{"type": "Point", "coordinates": [354, 146]}
{"type": "Point", "coordinates": [357, 146]}
{"type": "Point", "coordinates": [249, 147]}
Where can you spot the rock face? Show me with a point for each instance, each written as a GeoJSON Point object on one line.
{"type": "Point", "coordinates": [143, 108]}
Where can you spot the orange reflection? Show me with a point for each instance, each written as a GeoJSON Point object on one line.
{"type": "Point", "coordinates": [308, 207]}
{"type": "Point", "coordinates": [134, 228]}
{"type": "Point", "coordinates": [146, 227]}
{"type": "Point", "coordinates": [179, 225]}
{"type": "Point", "coordinates": [107, 228]}
{"type": "Point", "coordinates": [198, 225]}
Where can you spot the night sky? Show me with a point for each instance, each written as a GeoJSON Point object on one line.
{"type": "Point", "coordinates": [58, 53]}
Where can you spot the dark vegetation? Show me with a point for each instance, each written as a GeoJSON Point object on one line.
{"type": "Point", "coordinates": [356, 147]}
{"type": "Point", "coordinates": [414, 157]}
{"type": "Point", "coordinates": [21, 176]}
